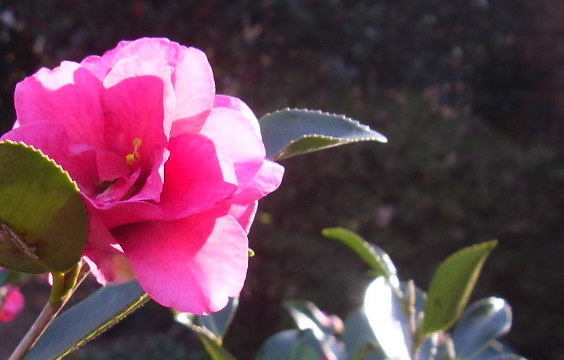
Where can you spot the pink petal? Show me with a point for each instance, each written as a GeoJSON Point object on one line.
{"type": "Point", "coordinates": [112, 165]}
{"type": "Point", "coordinates": [236, 135]}
{"type": "Point", "coordinates": [129, 211]}
{"type": "Point", "coordinates": [244, 214]}
{"type": "Point", "coordinates": [152, 188]}
{"type": "Point", "coordinates": [238, 105]}
{"type": "Point", "coordinates": [192, 78]}
{"type": "Point", "coordinates": [194, 264]}
{"type": "Point", "coordinates": [189, 125]}
{"type": "Point", "coordinates": [134, 71]}
{"type": "Point", "coordinates": [101, 65]}
{"type": "Point", "coordinates": [108, 267]}
{"type": "Point", "coordinates": [103, 255]}
{"type": "Point", "coordinates": [96, 66]}
{"type": "Point", "coordinates": [68, 95]}
{"type": "Point", "coordinates": [265, 181]}
{"type": "Point", "coordinates": [193, 83]}
{"type": "Point", "coordinates": [244, 204]}
{"type": "Point", "coordinates": [134, 124]}
{"type": "Point", "coordinates": [11, 302]}
{"type": "Point", "coordinates": [116, 191]}
{"type": "Point", "coordinates": [197, 176]}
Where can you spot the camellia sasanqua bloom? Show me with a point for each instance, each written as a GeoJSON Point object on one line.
{"type": "Point", "coordinates": [11, 302]}
{"type": "Point", "coordinates": [170, 171]}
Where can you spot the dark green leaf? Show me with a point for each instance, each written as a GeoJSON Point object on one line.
{"type": "Point", "coordinates": [375, 257]}
{"type": "Point", "coordinates": [211, 329]}
{"type": "Point", "coordinates": [291, 345]}
{"type": "Point", "coordinates": [451, 286]}
{"type": "Point", "coordinates": [292, 132]}
{"type": "Point", "coordinates": [214, 349]}
{"type": "Point", "coordinates": [280, 346]}
{"type": "Point", "coordinates": [480, 324]}
{"type": "Point", "coordinates": [87, 319]}
{"type": "Point", "coordinates": [4, 274]}
{"type": "Point", "coordinates": [43, 220]}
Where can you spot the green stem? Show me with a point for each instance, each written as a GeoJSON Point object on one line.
{"type": "Point", "coordinates": [64, 285]}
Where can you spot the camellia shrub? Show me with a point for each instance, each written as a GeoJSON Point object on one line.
{"type": "Point", "coordinates": [129, 167]}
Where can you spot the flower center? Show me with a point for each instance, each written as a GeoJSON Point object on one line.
{"type": "Point", "coordinates": [134, 156]}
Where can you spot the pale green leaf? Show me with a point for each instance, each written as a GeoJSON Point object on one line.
{"type": "Point", "coordinates": [451, 286]}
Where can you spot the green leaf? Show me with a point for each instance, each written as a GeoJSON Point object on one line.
{"type": "Point", "coordinates": [279, 346]}
{"type": "Point", "coordinates": [451, 286]}
{"type": "Point", "coordinates": [210, 329]}
{"type": "Point", "coordinates": [219, 322]}
{"type": "Point", "coordinates": [445, 348]}
{"type": "Point", "coordinates": [375, 257]}
{"type": "Point", "coordinates": [211, 343]}
{"type": "Point", "coordinates": [43, 219]}
{"type": "Point", "coordinates": [291, 132]}
{"type": "Point", "coordinates": [480, 324]}
{"type": "Point", "coordinates": [215, 351]}
{"type": "Point", "coordinates": [4, 274]}
{"type": "Point", "coordinates": [496, 351]}
{"type": "Point", "coordinates": [360, 341]}
{"type": "Point", "coordinates": [291, 345]}
{"type": "Point", "coordinates": [388, 319]}
{"type": "Point", "coordinates": [87, 319]}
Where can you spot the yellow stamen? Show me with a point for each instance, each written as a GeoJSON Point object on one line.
{"type": "Point", "coordinates": [131, 158]}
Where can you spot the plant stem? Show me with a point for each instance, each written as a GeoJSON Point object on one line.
{"type": "Point", "coordinates": [47, 315]}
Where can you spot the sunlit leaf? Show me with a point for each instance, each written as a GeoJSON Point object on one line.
{"type": "Point", "coordinates": [359, 339]}
{"type": "Point", "coordinates": [451, 286]}
{"type": "Point", "coordinates": [43, 219]}
{"type": "Point", "coordinates": [87, 319]}
{"type": "Point", "coordinates": [388, 320]}
{"type": "Point", "coordinates": [292, 132]}
{"type": "Point", "coordinates": [480, 324]}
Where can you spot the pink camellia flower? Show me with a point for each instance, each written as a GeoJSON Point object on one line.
{"type": "Point", "coordinates": [11, 302]}
{"type": "Point", "coordinates": [171, 172]}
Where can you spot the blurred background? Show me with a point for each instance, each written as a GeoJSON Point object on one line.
{"type": "Point", "coordinates": [469, 92]}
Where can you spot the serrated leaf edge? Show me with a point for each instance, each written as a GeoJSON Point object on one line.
{"type": "Point", "coordinates": [126, 310]}
{"type": "Point", "coordinates": [382, 138]}
{"type": "Point", "coordinates": [48, 158]}
{"type": "Point", "coordinates": [339, 141]}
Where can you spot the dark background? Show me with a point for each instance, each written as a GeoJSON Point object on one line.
{"type": "Point", "coordinates": [467, 92]}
